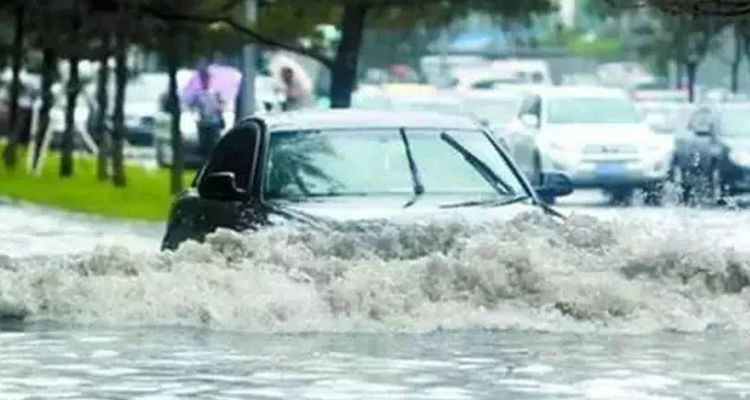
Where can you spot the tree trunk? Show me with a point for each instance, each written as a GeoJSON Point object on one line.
{"type": "Point", "coordinates": [9, 153]}
{"type": "Point", "coordinates": [178, 155]}
{"type": "Point", "coordinates": [118, 131]}
{"type": "Point", "coordinates": [344, 71]}
{"type": "Point", "coordinates": [49, 71]}
{"type": "Point", "coordinates": [102, 102]}
{"type": "Point", "coordinates": [691, 68]}
{"type": "Point", "coordinates": [735, 77]}
{"type": "Point", "coordinates": [68, 144]}
{"type": "Point", "coordinates": [679, 72]}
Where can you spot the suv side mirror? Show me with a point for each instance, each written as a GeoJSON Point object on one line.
{"type": "Point", "coordinates": [554, 184]}
{"type": "Point", "coordinates": [221, 186]}
{"type": "Point", "coordinates": [530, 120]}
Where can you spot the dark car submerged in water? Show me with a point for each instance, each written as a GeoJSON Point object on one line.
{"type": "Point", "coordinates": [319, 167]}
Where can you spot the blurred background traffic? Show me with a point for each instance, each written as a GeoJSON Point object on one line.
{"type": "Point", "coordinates": [627, 97]}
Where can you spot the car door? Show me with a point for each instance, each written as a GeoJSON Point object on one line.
{"type": "Point", "coordinates": [225, 193]}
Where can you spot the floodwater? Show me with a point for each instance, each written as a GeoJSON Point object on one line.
{"type": "Point", "coordinates": [616, 303]}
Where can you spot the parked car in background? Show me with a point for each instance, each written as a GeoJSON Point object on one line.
{"type": "Point", "coordinates": [502, 73]}
{"type": "Point", "coordinates": [660, 95]}
{"type": "Point", "coordinates": [437, 69]}
{"type": "Point", "coordinates": [321, 168]}
{"type": "Point", "coordinates": [596, 135]}
{"type": "Point", "coordinates": [712, 159]}
{"type": "Point", "coordinates": [143, 96]}
{"type": "Point", "coordinates": [408, 97]}
{"type": "Point", "coordinates": [495, 109]}
{"type": "Point", "coordinates": [667, 117]}
{"type": "Point", "coordinates": [81, 117]}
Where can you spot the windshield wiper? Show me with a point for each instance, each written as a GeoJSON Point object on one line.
{"type": "Point", "coordinates": [415, 178]}
{"type": "Point", "coordinates": [483, 169]}
{"type": "Point", "coordinates": [489, 203]}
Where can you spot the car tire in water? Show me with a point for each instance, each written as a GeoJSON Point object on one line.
{"type": "Point", "coordinates": [683, 184]}
{"type": "Point", "coordinates": [711, 192]}
{"type": "Point", "coordinates": [654, 194]}
{"type": "Point", "coordinates": [621, 196]}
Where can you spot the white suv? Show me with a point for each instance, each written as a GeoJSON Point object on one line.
{"type": "Point", "coordinates": [595, 135]}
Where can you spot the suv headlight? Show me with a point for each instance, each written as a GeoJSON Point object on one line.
{"type": "Point", "coordinates": [741, 157]}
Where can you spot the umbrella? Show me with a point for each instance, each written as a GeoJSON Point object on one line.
{"type": "Point", "coordinates": [223, 80]}
{"type": "Point", "coordinates": [281, 60]}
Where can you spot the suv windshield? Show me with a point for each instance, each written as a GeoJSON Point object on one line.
{"type": "Point", "coordinates": [304, 164]}
{"type": "Point", "coordinates": [593, 111]}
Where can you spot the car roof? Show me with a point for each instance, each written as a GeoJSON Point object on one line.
{"type": "Point", "coordinates": [719, 108]}
{"type": "Point", "coordinates": [366, 119]}
{"type": "Point", "coordinates": [573, 91]}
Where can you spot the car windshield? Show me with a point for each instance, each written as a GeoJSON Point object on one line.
{"type": "Point", "coordinates": [735, 122]}
{"type": "Point", "coordinates": [496, 110]}
{"type": "Point", "coordinates": [305, 164]}
{"type": "Point", "coordinates": [592, 110]}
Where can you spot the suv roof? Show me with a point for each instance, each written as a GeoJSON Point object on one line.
{"type": "Point", "coordinates": [367, 119]}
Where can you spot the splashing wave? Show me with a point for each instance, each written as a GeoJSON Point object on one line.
{"type": "Point", "coordinates": [527, 273]}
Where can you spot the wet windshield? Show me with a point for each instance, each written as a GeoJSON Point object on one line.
{"type": "Point", "coordinates": [305, 164]}
{"type": "Point", "coordinates": [592, 111]}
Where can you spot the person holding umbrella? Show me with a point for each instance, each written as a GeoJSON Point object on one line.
{"type": "Point", "coordinates": [210, 109]}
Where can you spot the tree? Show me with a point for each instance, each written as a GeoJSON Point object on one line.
{"type": "Point", "coordinates": [118, 131]}
{"type": "Point", "coordinates": [178, 154]}
{"type": "Point", "coordinates": [716, 8]}
{"type": "Point", "coordinates": [350, 16]}
{"type": "Point", "coordinates": [49, 74]}
{"type": "Point", "coordinates": [73, 88]}
{"type": "Point", "coordinates": [9, 153]}
{"type": "Point", "coordinates": [71, 99]}
{"type": "Point", "coordinates": [739, 39]}
{"type": "Point", "coordinates": [102, 100]}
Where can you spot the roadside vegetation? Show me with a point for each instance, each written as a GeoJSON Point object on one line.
{"type": "Point", "coordinates": [147, 196]}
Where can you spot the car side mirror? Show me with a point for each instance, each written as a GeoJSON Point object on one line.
{"type": "Point", "coordinates": [221, 186]}
{"type": "Point", "coordinates": [554, 184]}
{"type": "Point", "coordinates": [530, 120]}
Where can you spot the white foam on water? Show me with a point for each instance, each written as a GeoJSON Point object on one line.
{"type": "Point", "coordinates": [531, 272]}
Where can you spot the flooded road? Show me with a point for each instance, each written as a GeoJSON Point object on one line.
{"type": "Point", "coordinates": [618, 303]}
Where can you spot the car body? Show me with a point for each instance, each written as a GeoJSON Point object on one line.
{"type": "Point", "coordinates": [408, 97]}
{"type": "Point", "coordinates": [143, 97]}
{"type": "Point", "coordinates": [436, 68]}
{"type": "Point", "coordinates": [81, 118]}
{"type": "Point", "coordinates": [594, 134]}
{"type": "Point", "coordinates": [495, 109]}
{"type": "Point", "coordinates": [666, 117]}
{"type": "Point", "coordinates": [660, 95]}
{"type": "Point", "coordinates": [502, 73]}
{"type": "Point", "coordinates": [324, 167]}
{"type": "Point", "coordinates": [715, 151]}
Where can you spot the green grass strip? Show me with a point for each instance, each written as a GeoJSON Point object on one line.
{"type": "Point", "coordinates": [146, 196]}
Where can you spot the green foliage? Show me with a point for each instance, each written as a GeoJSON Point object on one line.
{"type": "Point", "coordinates": [146, 197]}
{"type": "Point", "coordinates": [600, 48]}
